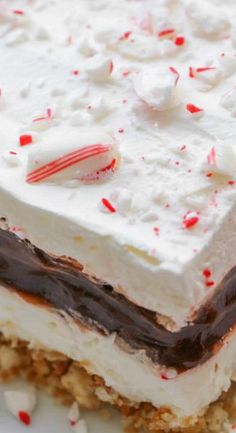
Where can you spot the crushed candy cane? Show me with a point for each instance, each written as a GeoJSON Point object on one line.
{"type": "Point", "coordinates": [21, 403]}
{"type": "Point", "coordinates": [83, 156]}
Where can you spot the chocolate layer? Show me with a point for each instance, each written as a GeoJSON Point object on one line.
{"type": "Point", "coordinates": [63, 284]}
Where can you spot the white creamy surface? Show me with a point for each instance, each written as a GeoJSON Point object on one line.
{"type": "Point", "coordinates": [88, 62]}
{"type": "Point", "coordinates": [44, 328]}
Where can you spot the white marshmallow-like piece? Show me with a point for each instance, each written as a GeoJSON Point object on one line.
{"type": "Point", "coordinates": [22, 400]}
{"type": "Point", "coordinates": [99, 68]}
{"type": "Point", "coordinates": [157, 87]}
{"type": "Point", "coordinates": [83, 155]}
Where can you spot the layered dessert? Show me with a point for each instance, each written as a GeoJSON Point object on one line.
{"type": "Point", "coordinates": [117, 205]}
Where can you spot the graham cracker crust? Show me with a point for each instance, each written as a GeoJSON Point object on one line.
{"type": "Point", "coordinates": [67, 381]}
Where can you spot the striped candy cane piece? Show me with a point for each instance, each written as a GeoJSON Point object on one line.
{"type": "Point", "coordinates": [86, 157]}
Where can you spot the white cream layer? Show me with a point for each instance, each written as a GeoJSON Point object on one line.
{"type": "Point", "coordinates": [56, 55]}
{"type": "Point", "coordinates": [187, 394]}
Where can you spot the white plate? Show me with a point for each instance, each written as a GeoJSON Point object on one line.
{"type": "Point", "coordinates": [49, 418]}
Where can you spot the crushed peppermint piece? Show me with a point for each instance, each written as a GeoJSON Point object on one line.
{"type": "Point", "coordinates": [80, 427]}
{"type": "Point", "coordinates": [156, 231]}
{"type": "Point", "coordinates": [211, 157]}
{"type": "Point", "coordinates": [179, 41]}
{"type": "Point", "coordinates": [18, 12]}
{"type": "Point", "coordinates": [121, 130]}
{"type": "Point", "coordinates": [26, 139]}
{"type": "Point", "coordinates": [75, 72]}
{"type": "Point", "coordinates": [24, 417]}
{"type": "Point", "coordinates": [166, 33]}
{"type": "Point", "coordinates": [125, 36]}
{"type": "Point", "coordinates": [193, 109]}
{"type": "Point", "coordinates": [74, 414]}
{"type": "Point", "coordinates": [106, 203]}
{"type": "Point", "coordinates": [231, 182]}
{"type": "Point", "coordinates": [206, 272]}
{"type": "Point", "coordinates": [83, 155]}
{"type": "Point", "coordinates": [190, 219]}
{"type": "Point", "coordinates": [21, 403]}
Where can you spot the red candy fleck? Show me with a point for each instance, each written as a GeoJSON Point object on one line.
{"type": "Point", "coordinates": [24, 417]}
{"type": "Point", "coordinates": [18, 12]}
{"type": "Point", "coordinates": [179, 41]}
{"type": "Point", "coordinates": [211, 157]}
{"type": "Point", "coordinates": [125, 36]}
{"type": "Point", "coordinates": [174, 71]}
{"type": "Point", "coordinates": [205, 69]}
{"type": "Point", "coordinates": [108, 205]}
{"type": "Point", "coordinates": [231, 182]}
{"type": "Point", "coordinates": [191, 72]}
{"type": "Point", "coordinates": [111, 67]}
{"type": "Point", "coordinates": [210, 283]}
{"type": "Point", "coordinates": [156, 230]}
{"type": "Point", "coordinates": [183, 148]}
{"type": "Point", "coordinates": [121, 130]}
{"type": "Point", "coordinates": [167, 32]}
{"type": "Point", "coordinates": [126, 73]}
{"type": "Point", "coordinates": [12, 153]}
{"type": "Point", "coordinates": [193, 109]}
{"type": "Point", "coordinates": [75, 72]}
{"type": "Point", "coordinates": [190, 219]}
{"type": "Point", "coordinates": [207, 273]}
{"type": "Point", "coordinates": [25, 139]}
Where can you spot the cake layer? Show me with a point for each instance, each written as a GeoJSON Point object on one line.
{"type": "Point", "coordinates": [160, 82]}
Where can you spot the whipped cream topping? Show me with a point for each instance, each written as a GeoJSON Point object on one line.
{"type": "Point", "coordinates": [142, 82]}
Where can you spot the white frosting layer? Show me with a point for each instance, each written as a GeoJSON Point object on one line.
{"type": "Point", "coordinates": [47, 329]}
{"type": "Point", "coordinates": [67, 65]}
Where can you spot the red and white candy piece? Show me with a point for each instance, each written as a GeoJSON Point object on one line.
{"type": "Point", "coordinates": [157, 87]}
{"type": "Point", "coordinates": [221, 159]}
{"type": "Point", "coordinates": [99, 68]}
{"type": "Point", "coordinates": [74, 414]}
{"type": "Point", "coordinates": [80, 427]}
{"type": "Point", "coordinates": [84, 156]}
{"type": "Point", "coordinates": [21, 403]}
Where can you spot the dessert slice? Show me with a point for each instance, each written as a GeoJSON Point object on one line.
{"type": "Point", "coordinates": [117, 203]}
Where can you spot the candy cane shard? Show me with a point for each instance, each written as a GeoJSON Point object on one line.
{"type": "Point", "coordinates": [84, 156]}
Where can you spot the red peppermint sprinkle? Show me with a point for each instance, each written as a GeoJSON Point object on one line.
{"type": "Point", "coordinates": [125, 36]}
{"type": "Point", "coordinates": [174, 71]}
{"type": "Point", "coordinates": [47, 117]}
{"type": "Point", "coordinates": [18, 12]}
{"type": "Point", "coordinates": [231, 182]}
{"type": "Point", "coordinates": [121, 130]}
{"type": "Point", "coordinates": [183, 148]}
{"type": "Point", "coordinates": [111, 67]}
{"type": "Point", "coordinates": [206, 272]}
{"type": "Point", "coordinates": [211, 157]}
{"type": "Point", "coordinates": [156, 230]}
{"type": "Point", "coordinates": [25, 139]}
{"type": "Point", "coordinates": [190, 219]}
{"type": "Point", "coordinates": [210, 174]}
{"type": "Point", "coordinates": [24, 417]}
{"type": "Point", "coordinates": [166, 32]}
{"type": "Point", "coordinates": [191, 72]}
{"type": "Point", "coordinates": [210, 283]}
{"type": "Point", "coordinates": [108, 205]}
{"type": "Point", "coordinates": [75, 72]}
{"type": "Point", "coordinates": [193, 109]}
{"type": "Point", "coordinates": [205, 69]}
{"type": "Point", "coordinates": [179, 41]}
{"type": "Point", "coordinates": [12, 153]}
{"type": "Point", "coordinates": [126, 73]}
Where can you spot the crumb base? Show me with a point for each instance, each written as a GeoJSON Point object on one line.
{"type": "Point", "coordinates": [67, 381]}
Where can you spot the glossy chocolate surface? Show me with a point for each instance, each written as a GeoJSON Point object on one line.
{"type": "Point", "coordinates": [63, 284]}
